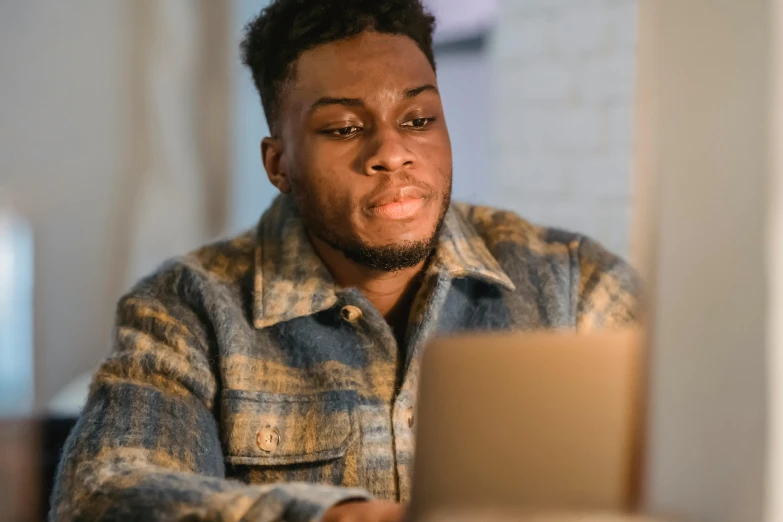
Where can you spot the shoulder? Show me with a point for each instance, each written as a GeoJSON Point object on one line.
{"type": "Point", "coordinates": [505, 231]}
{"type": "Point", "coordinates": [600, 285]}
{"type": "Point", "coordinates": [226, 260]}
{"type": "Point", "coordinates": [222, 263]}
{"type": "Point", "coordinates": [515, 241]}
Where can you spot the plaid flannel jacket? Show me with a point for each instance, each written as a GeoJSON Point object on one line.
{"type": "Point", "coordinates": [243, 384]}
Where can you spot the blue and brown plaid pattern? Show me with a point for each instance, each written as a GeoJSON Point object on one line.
{"type": "Point", "coordinates": [236, 389]}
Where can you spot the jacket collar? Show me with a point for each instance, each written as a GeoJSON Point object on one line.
{"type": "Point", "coordinates": [290, 281]}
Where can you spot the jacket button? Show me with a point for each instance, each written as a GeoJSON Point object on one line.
{"type": "Point", "coordinates": [268, 439]}
{"type": "Point", "coordinates": [351, 313]}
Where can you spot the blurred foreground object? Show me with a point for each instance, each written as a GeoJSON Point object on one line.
{"type": "Point", "coordinates": [547, 517]}
{"type": "Point", "coordinates": [20, 490]}
{"type": "Point", "coordinates": [708, 103]}
{"type": "Point", "coordinates": [521, 422]}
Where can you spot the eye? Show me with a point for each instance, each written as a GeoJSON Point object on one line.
{"type": "Point", "coordinates": [343, 132]}
{"type": "Point", "coordinates": [418, 123]}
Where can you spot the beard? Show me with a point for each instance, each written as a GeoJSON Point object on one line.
{"type": "Point", "coordinates": [384, 258]}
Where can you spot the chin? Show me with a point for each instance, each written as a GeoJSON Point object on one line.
{"type": "Point", "coordinates": [384, 234]}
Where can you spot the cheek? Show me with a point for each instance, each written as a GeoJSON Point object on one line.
{"type": "Point", "coordinates": [436, 154]}
{"type": "Point", "coordinates": [322, 180]}
{"type": "Point", "coordinates": [335, 175]}
{"type": "Point", "coordinates": [324, 193]}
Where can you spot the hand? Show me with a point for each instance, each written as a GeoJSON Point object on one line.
{"type": "Point", "coordinates": [374, 511]}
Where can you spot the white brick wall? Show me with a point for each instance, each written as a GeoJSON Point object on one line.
{"type": "Point", "coordinates": [564, 82]}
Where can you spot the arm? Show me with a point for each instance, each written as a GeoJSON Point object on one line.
{"type": "Point", "coordinates": [147, 445]}
{"type": "Point", "coordinates": [607, 291]}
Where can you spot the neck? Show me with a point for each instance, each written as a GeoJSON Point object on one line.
{"type": "Point", "coordinates": [391, 293]}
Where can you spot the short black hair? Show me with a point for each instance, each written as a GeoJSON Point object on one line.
{"type": "Point", "coordinates": [276, 38]}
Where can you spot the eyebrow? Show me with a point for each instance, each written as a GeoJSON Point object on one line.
{"type": "Point", "coordinates": [327, 101]}
{"type": "Point", "coordinates": [412, 93]}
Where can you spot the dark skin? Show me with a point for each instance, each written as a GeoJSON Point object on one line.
{"type": "Point", "coordinates": [361, 142]}
{"type": "Point", "coordinates": [364, 115]}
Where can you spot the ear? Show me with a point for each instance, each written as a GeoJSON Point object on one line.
{"type": "Point", "coordinates": [272, 156]}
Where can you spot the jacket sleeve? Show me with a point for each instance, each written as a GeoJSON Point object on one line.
{"type": "Point", "coordinates": [607, 289]}
{"type": "Point", "coordinates": [147, 447]}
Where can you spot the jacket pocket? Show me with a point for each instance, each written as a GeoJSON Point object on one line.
{"type": "Point", "coordinates": [280, 437]}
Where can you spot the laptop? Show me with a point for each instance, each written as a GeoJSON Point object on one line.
{"type": "Point", "coordinates": [510, 425]}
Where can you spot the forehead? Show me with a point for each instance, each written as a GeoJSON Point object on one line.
{"type": "Point", "coordinates": [369, 65]}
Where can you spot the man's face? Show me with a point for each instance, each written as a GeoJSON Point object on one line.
{"type": "Point", "coordinates": [366, 150]}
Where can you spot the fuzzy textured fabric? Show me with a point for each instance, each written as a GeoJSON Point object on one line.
{"type": "Point", "coordinates": [237, 390]}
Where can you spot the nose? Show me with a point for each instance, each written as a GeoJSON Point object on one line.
{"type": "Point", "coordinates": [387, 152]}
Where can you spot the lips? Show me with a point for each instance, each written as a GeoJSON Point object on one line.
{"type": "Point", "coordinates": [397, 195]}
{"type": "Point", "coordinates": [398, 202]}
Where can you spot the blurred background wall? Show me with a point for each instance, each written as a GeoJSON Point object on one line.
{"type": "Point", "coordinates": [115, 147]}
{"type": "Point", "coordinates": [64, 134]}
{"type": "Point", "coordinates": [130, 131]}
{"type": "Point", "coordinates": [563, 104]}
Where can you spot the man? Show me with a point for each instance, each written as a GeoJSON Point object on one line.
{"type": "Point", "coordinates": [273, 376]}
